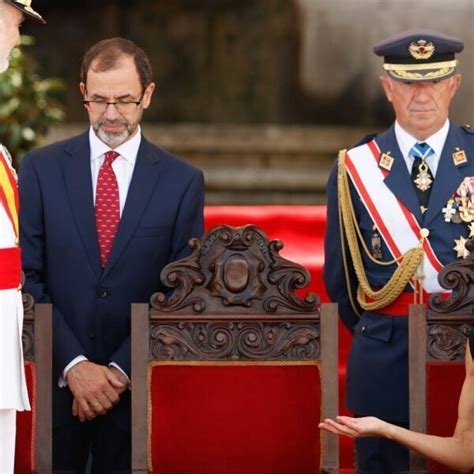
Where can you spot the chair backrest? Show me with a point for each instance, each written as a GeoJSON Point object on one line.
{"type": "Point", "coordinates": [234, 332]}
{"type": "Point", "coordinates": [34, 429]}
{"type": "Point", "coordinates": [437, 343]}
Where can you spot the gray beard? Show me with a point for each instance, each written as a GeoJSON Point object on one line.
{"type": "Point", "coordinates": [113, 139]}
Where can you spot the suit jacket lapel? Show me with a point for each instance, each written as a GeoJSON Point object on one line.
{"type": "Point", "coordinates": [78, 179]}
{"type": "Point", "coordinates": [144, 179]}
{"type": "Point", "coordinates": [398, 179]}
{"type": "Point", "coordinates": [448, 176]}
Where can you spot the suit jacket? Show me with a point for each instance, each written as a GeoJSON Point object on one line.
{"type": "Point", "coordinates": [163, 210]}
{"type": "Point", "coordinates": [377, 371]}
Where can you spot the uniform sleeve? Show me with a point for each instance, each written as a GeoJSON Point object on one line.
{"type": "Point", "coordinates": [334, 272]}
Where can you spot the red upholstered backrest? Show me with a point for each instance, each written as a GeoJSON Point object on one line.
{"type": "Point", "coordinates": [25, 427]}
{"type": "Point", "coordinates": [234, 419]}
{"type": "Point", "coordinates": [443, 390]}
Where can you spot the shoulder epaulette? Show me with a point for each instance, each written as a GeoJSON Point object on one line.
{"type": "Point", "coordinates": [467, 128]}
{"type": "Point", "coordinates": [365, 140]}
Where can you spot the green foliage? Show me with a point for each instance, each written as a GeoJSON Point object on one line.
{"type": "Point", "coordinates": [29, 105]}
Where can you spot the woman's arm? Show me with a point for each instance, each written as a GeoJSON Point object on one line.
{"type": "Point", "coordinates": [456, 452]}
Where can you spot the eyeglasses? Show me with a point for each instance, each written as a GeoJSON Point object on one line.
{"type": "Point", "coordinates": [123, 107]}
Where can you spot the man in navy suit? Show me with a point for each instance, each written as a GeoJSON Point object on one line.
{"type": "Point", "coordinates": [102, 214]}
{"type": "Point", "coordinates": [403, 211]}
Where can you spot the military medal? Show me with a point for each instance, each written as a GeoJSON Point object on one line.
{"type": "Point", "coordinates": [459, 157]}
{"type": "Point", "coordinates": [460, 247]}
{"type": "Point", "coordinates": [386, 161]}
{"type": "Point", "coordinates": [471, 230]}
{"type": "Point", "coordinates": [449, 211]}
{"type": "Point", "coordinates": [423, 179]}
{"type": "Point", "coordinates": [376, 244]}
{"type": "Point", "coordinates": [459, 209]}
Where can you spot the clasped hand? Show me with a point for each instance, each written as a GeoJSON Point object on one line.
{"type": "Point", "coordinates": [96, 389]}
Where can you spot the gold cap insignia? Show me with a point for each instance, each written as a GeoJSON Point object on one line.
{"type": "Point", "coordinates": [459, 157]}
{"type": "Point", "coordinates": [386, 161]}
{"type": "Point", "coordinates": [421, 49]}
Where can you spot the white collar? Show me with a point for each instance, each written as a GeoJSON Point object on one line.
{"type": "Point", "coordinates": [128, 150]}
{"type": "Point", "coordinates": [435, 141]}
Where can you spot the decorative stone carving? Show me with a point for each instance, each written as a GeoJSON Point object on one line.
{"type": "Point", "coordinates": [459, 278]}
{"type": "Point", "coordinates": [28, 304]}
{"type": "Point", "coordinates": [235, 340]}
{"type": "Point", "coordinates": [28, 338]}
{"type": "Point", "coordinates": [233, 270]}
{"type": "Point", "coordinates": [451, 319]}
{"type": "Point", "coordinates": [447, 341]}
{"type": "Point", "coordinates": [28, 335]}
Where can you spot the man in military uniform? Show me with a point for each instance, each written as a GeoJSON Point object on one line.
{"type": "Point", "coordinates": [13, 395]}
{"type": "Point", "coordinates": [399, 209]}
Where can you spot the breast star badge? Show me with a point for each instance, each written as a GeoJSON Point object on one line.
{"type": "Point", "coordinates": [460, 247]}
{"type": "Point", "coordinates": [471, 229]}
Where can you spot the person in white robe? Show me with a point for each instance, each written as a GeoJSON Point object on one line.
{"type": "Point", "coordinates": [13, 390]}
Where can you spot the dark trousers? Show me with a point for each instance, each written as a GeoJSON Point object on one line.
{"type": "Point", "coordinates": [381, 456]}
{"type": "Point", "coordinates": [107, 439]}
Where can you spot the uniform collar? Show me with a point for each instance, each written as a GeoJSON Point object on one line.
{"type": "Point", "coordinates": [435, 141]}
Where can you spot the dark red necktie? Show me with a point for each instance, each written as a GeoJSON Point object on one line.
{"type": "Point", "coordinates": [107, 206]}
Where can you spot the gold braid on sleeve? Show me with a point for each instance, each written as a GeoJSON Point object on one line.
{"type": "Point", "coordinates": [350, 232]}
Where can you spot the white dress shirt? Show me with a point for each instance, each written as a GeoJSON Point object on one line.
{"type": "Point", "coordinates": [435, 141]}
{"type": "Point", "coordinates": [123, 167]}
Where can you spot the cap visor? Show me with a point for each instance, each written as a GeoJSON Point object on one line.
{"type": "Point", "coordinates": [29, 13]}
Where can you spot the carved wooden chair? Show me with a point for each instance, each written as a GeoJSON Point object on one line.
{"type": "Point", "coordinates": [437, 343]}
{"type": "Point", "coordinates": [34, 428]}
{"type": "Point", "coordinates": [233, 371]}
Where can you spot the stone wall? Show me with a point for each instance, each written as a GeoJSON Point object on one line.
{"type": "Point", "coordinates": [254, 61]}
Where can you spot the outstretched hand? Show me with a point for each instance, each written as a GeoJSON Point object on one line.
{"type": "Point", "coordinates": [355, 427]}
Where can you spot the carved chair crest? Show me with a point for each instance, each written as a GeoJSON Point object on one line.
{"type": "Point", "coordinates": [450, 320]}
{"type": "Point", "coordinates": [235, 270]}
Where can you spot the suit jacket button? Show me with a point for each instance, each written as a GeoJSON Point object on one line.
{"type": "Point", "coordinates": [92, 335]}
{"type": "Point", "coordinates": [103, 293]}
{"type": "Point", "coordinates": [363, 328]}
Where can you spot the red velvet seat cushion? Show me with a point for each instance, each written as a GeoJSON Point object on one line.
{"type": "Point", "coordinates": [25, 428]}
{"type": "Point", "coordinates": [444, 387]}
{"type": "Point", "coordinates": [234, 419]}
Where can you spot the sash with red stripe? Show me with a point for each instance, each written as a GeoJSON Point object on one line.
{"type": "Point", "coordinates": [10, 268]}
{"type": "Point", "coordinates": [9, 191]}
{"type": "Point", "coordinates": [396, 224]}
